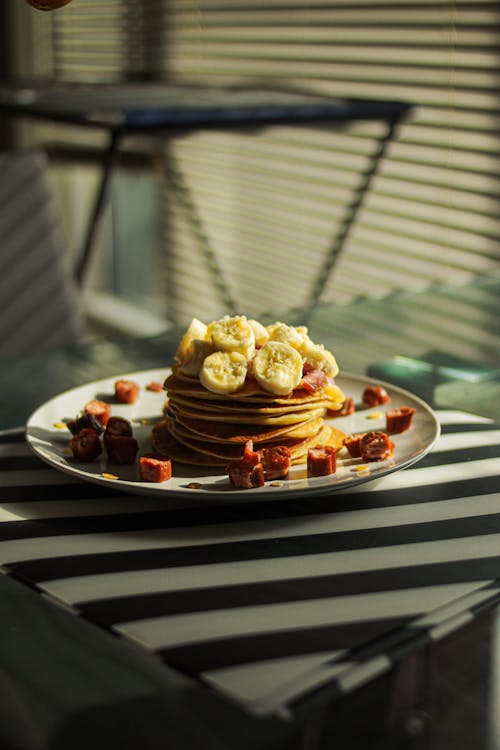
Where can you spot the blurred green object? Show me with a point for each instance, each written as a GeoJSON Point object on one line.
{"type": "Point", "coordinates": [427, 378]}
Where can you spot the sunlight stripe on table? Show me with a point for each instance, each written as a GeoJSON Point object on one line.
{"type": "Point", "coordinates": [167, 632]}
{"type": "Point", "coordinates": [425, 476]}
{"type": "Point", "coordinates": [428, 475]}
{"type": "Point", "coordinates": [348, 675]}
{"type": "Point", "coordinates": [455, 608]}
{"type": "Point", "coordinates": [384, 518]}
{"type": "Point", "coordinates": [9, 450]}
{"type": "Point", "coordinates": [90, 544]}
{"type": "Point", "coordinates": [117, 505]}
{"type": "Point", "coordinates": [452, 416]}
{"type": "Point", "coordinates": [265, 528]}
{"type": "Point", "coordinates": [265, 685]}
{"type": "Point", "coordinates": [35, 476]}
{"type": "Point", "coordinates": [130, 583]}
{"type": "Point", "coordinates": [458, 440]}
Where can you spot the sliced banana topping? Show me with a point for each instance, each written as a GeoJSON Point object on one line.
{"type": "Point", "coordinates": [195, 330]}
{"type": "Point", "coordinates": [224, 372]}
{"type": "Point", "coordinates": [232, 334]}
{"type": "Point", "coordinates": [277, 367]}
{"type": "Point", "coordinates": [195, 357]}
{"type": "Point", "coordinates": [259, 331]}
{"type": "Point", "coordinates": [274, 354]}
{"type": "Point", "coordinates": [287, 334]}
{"type": "Point", "coordinates": [317, 356]}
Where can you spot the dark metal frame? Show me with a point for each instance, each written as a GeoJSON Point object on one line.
{"type": "Point", "coordinates": [125, 110]}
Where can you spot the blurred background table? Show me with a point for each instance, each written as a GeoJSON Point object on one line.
{"type": "Point", "coordinates": [162, 110]}
{"type": "Point", "coordinates": [442, 344]}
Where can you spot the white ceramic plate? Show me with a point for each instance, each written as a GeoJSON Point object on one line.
{"type": "Point", "coordinates": [50, 443]}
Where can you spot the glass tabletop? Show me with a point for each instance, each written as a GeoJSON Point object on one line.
{"type": "Point", "coordinates": [168, 105]}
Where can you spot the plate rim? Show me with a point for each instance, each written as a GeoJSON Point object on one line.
{"type": "Point", "coordinates": [228, 494]}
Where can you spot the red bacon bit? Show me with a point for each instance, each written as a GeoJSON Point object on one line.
{"type": "Point", "coordinates": [121, 449]}
{"type": "Point", "coordinates": [313, 379]}
{"type": "Point", "coordinates": [345, 410]}
{"type": "Point", "coordinates": [375, 395]}
{"type": "Point", "coordinates": [153, 468]}
{"type": "Point", "coordinates": [251, 457]}
{"type": "Point", "coordinates": [86, 445]}
{"type": "Point", "coordinates": [399, 420]}
{"type": "Point", "coordinates": [352, 443]}
{"type": "Point", "coordinates": [86, 421]}
{"type": "Point", "coordinates": [244, 476]}
{"type": "Point", "coordinates": [155, 387]}
{"type": "Point", "coordinates": [277, 461]}
{"type": "Point", "coordinates": [126, 391]}
{"type": "Point", "coordinates": [118, 426]}
{"type": "Point", "coordinates": [119, 442]}
{"type": "Point", "coordinates": [321, 461]}
{"type": "Point", "coordinates": [99, 409]}
{"type": "Point", "coordinates": [375, 446]}
{"type": "Point", "coordinates": [248, 471]}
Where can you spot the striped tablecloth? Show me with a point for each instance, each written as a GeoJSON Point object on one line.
{"type": "Point", "coordinates": [266, 602]}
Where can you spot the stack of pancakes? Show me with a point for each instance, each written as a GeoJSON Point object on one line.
{"type": "Point", "coordinates": [210, 429]}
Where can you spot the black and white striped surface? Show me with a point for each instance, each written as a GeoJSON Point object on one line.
{"type": "Point", "coordinates": [268, 601]}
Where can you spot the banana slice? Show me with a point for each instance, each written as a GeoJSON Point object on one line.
{"type": "Point", "coordinates": [259, 331]}
{"type": "Point", "coordinates": [287, 334]}
{"type": "Point", "coordinates": [317, 356]}
{"type": "Point", "coordinates": [196, 355]}
{"type": "Point", "coordinates": [232, 334]}
{"type": "Point", "coordinates": [277, 367]}
{"type": "Point", "coordinates": [195, 330]}
{"type": "Point", "coordinates": [223, 372]}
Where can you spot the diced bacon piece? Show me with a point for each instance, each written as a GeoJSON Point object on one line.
{"type": "Point", "coordinates": [86, 421]}
{"type": "Point", "coordinates": [247, 472]}
{"type": "Point", "coordinates": [399, 420]}
{"type": "Point", "coordinates": [277, 461]}
{"type": "Point", "coordinates": [118, 426]}
{"type": "Point", "coordinates": [352, 443]}
{"type": "Point", "coordinates": [119, 442]}
{"type": "Point", "coordinates": [245, 476]}
{"type": "Point", "coordinates": [154, 468]}
{"type": "Point", "coordinates": [126, 391]}
{"type": "Point", "coordinates": [313, 379]}
{"type": "Point", "coordinates": [99, 409]}
{"type": "Point", "coordinates": [86, 445]}
{"type": "Point", "coordinates": [375, 446]}
{"type": "Point", "coordinates": [121, 449]}
{"type": "Point", "coordinates": [251, 457]}
{"type": "Point", "coordinates": [321, 461]}
{"type": "Point", "coordinates": [345, 410]}
{"type": "Point", "coordinates": [375, 395]}
{"type": "Point", "coordinates": [154, 387]}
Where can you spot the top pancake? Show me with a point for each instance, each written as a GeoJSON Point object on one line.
{"type": "Point", "coordinates": [249, 394]}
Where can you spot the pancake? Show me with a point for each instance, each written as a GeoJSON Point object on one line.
{"type": "Point", "coordinates": [236, 381]}
{"type": "Point", "coordinates": [250, 393]}
{"type": "Point", "coordinates": [168, 441]}
{"type": "Point", "coordinates": [240, 433]}
{"type": "Point", "coordinates": [235, 410]}
{"type": "Point", "coordinates": [256, 418]}
{"type": "Point", "coordinates": [167, 445]}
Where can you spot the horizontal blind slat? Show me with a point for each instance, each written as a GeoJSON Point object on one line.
{"type": "Point", "coordinates": [433, 204]}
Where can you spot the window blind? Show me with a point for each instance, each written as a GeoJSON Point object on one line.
{"type": "Point", "coordinates": [264, 209]}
